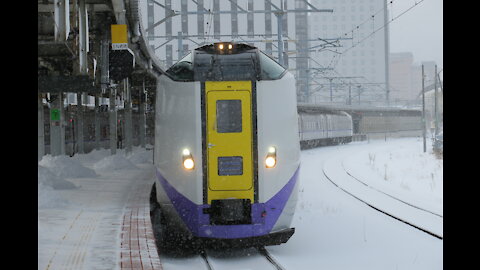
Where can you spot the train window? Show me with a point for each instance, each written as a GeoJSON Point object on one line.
{"type": "Point", "coordinates": [270, 70]}
{"type": "Point", "coordinates": [182, 70]}
{"type": "Point", "coordinates": [229, 116]}
{"type": "Point", "coordinates": [226, 67]}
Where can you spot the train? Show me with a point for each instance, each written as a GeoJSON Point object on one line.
{"type": "Point", "coordinates": [320, 128]}
{"type": "Point", "coordinates": [227, 151]}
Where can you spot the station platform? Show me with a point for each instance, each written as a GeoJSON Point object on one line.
{"type": "Point", "coordinates": [103, 223]}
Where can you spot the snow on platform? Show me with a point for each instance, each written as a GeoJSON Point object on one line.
{"type": "Point", "coordinates": [101, 222]}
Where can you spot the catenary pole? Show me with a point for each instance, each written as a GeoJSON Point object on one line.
{"type": "Point", "coordinates": [423, 112]}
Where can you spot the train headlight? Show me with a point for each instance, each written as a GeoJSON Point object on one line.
{"type": "Point", "coordinates": [230, 46]}
{"type": "Point", "coordinates": [188, 162]}
{"type": "Point", "coordinates": [220, 46]}
{"type": "Point", "coordinates": [271, 159]}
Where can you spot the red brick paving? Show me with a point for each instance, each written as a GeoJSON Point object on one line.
{"type": "Point", "coordinates": [138, 249]}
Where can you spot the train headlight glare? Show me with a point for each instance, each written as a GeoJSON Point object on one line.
{"type": "Point", "coordinates": [220, 46]}
{"type": "Point", "coordinates": [188, 163]}
{"type": "Point", "coordinates": [270, 162]}
{"type": "Point", "coordinates": [271, 159]}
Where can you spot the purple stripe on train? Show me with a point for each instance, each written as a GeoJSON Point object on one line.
{"type": "Point", "coordinates": [198, 222]}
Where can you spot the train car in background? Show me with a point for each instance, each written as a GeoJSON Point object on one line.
{"type": "Point", "coordinates": [320, 128]}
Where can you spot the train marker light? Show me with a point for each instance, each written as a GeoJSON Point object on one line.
{"type": "Point", "coordinates": [271, 159]}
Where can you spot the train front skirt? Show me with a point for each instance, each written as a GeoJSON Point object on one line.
{"type": "Point", "coordinates": [263, 218]}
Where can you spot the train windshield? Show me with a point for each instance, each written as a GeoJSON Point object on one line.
{"type": "Point", "coordinates": [182, 70]}
{"type": "Point", "coordinates": [269, 69]}
{"type": "Point", "coordinates": [227, 67]}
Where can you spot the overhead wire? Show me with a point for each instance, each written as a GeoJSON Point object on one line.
{"type": "Point", "coordinates": [336, 57]}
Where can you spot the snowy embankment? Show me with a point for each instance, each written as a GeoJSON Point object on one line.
{"type": "Point", "coordinates": [358, 173]}
{"type": "Point", "coordinates": [402, 170]}
{"type": "Point", "coordinates": [334, 230]}
{"type": "Point", "coordinates": [54, 172]}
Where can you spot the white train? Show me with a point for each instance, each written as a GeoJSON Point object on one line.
{"type": "Point", "coordinates": [324, 128]}
{"type": "Point", "coordinates": [227, 150]}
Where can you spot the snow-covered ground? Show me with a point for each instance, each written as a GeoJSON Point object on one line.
{"type": "Point", "coordinates": [334, 230]}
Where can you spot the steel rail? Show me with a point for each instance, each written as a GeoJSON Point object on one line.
{"type": "Point", "coordinates": [264, 252]}
{"type": "Point", "coordinates": [383, 212]}
{"type": "Point", "coordinates": [393, 197]}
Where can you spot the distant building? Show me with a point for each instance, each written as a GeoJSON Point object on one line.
{"type": "Point", "coordinates": [401, 77]}
{"type": "Point", "coordinates": [406, 78]}
{"type": "Point", "coordinates": [356, 19]}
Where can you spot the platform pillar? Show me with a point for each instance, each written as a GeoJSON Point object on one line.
{"type": "Point", "coordinates": [128, 116]}
{"type": "Point", "coordinates": [57, 127]}
{"type": "Point", "coordinates": [112, 119]}
{"type": "Point", "coordinates": [141, 111]}
{"type": "Point", "coordinates": [41, 128]}
{"type": "Point", "coordinates": [79, 127]}
{"type": "Point", "coordinates": [97, 121]}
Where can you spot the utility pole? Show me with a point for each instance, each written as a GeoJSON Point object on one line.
{"type": "Point", "coordinates": [279, 15]}
{"type": "Point", "coordinates": [387, 50]}
{"type": "Point", "coordinates": [423, 112]}
{"type": "Point", "coordinates": [436, 104]}
{"type": "Point", "coordinates": [331, 90]}
{"type": "Point", "coordinates": [349, 94]}
{"type": "Point", "coordinates": [359, 92]}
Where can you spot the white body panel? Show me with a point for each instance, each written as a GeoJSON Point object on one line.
{"type": "Point", "coordinates": [277, 123]}
{"type": "Point", "coordinates": [178, 126]}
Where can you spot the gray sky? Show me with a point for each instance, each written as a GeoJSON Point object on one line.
{"type": "Point", "coordinates": [419, 31]}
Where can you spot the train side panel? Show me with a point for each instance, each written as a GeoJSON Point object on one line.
{"type": "Point", "coordinates": [178, 126]}
{"type": "Point", "coordinates": [278, 110]}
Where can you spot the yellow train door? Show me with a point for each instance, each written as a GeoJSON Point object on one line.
{"type": "Point", "coordinates": [229, 150]}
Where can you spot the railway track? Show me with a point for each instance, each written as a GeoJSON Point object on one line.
{"type": "Point", "coordinates": [210, 260]}
{"type": "Point", "coordinates": [434, 234]}
{"type": "Point", "coordinates": [264, 252]}
{"type": "Point", "coordinates": [393, 197]}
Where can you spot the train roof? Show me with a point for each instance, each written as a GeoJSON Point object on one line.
{"type": "Point", "coordinates": [226, 61]}
{"type": "Point", "coordinates": [224, 48]}
{"type": "Point", "coordinates": [356, 109]}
